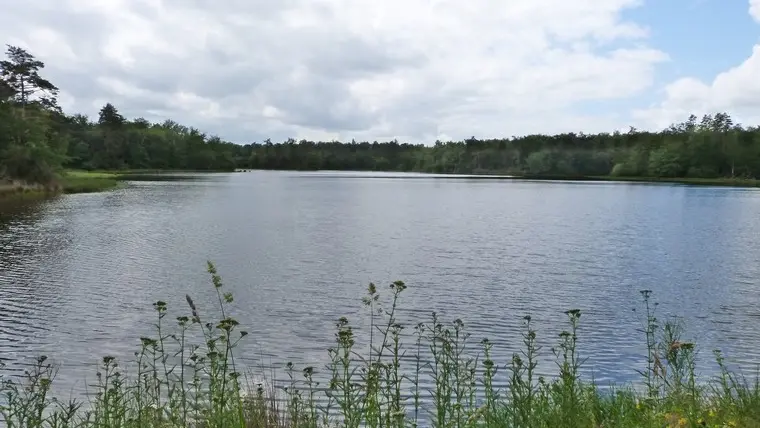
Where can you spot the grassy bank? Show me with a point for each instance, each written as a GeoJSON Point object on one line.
{"type": "Point", "coordinates": [73, 181]}
{"type": "Point", "coordinates": [77, 181]}
{"type": "Point", "coordinates": [179, 382]}
{"type": "Point", "coordinates": [68, 182]}
{"type": "Point", "coordinates": [80, 181]}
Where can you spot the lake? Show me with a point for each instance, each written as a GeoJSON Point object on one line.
{"type": "Point", "coordinates": [79, 273]}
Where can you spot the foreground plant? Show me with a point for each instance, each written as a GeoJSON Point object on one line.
{"type": "Point", "coordinates": [186, 375]}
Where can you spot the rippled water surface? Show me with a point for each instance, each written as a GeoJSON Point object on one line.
{"type": "Point", "coordinates": [78, 274]}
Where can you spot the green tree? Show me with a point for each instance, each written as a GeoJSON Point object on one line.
{"type": "Point", "coordinates": [30, 147]}
{"type": "Point", "coordinates": [541, 162]}
{"type": "Point", "coordinates": [20, 72]}
{"type": "Point", "coordinates": [109, 117]}
{"type": "Point", "coordinates": [668, 161]}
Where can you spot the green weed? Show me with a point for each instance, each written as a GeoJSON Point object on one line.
{"type": "Point", "coordinates": [179, 381]}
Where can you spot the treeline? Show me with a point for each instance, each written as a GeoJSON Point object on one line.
{"type": "Point", "coordinates": [708, 148]}
{"type": "Point", "coordinates": [38, 140]}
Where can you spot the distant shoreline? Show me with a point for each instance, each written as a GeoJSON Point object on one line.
{"type": "Point", "coordinates": [75, 181]}
{"type": "Point", "coordinates": [720, 181]}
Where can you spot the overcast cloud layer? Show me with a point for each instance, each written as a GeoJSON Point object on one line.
{"type": "Point", "coordinates": [416, 70]}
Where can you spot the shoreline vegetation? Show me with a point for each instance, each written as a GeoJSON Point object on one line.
{"type": "Point", "coordinates": [39, 143]}
{"type": "Point", "coordinates": [88, 182]}
{"type": "Point", "coordinates": [186, 375]}
{"type": "Point", "coordinates": [79, 181]}
{"type": "Point", "coordinates": [68, 182]}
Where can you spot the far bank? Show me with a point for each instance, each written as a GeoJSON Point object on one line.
{"type": "Point", "coordinates": [506, 175]}
{"type": "Point", "coordinates": [718, 181]}
{"type": "Point", "coordinates": [80, 181]}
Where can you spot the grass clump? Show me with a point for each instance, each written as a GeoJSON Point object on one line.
{"type": "Point", "coordinates": [186, 376]}
{"type": "Point", "coordinates": [87, 185]}
{"type": "Point", "coordinates": [75, 181]}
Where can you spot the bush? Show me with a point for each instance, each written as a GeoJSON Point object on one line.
{"type": "Point", "coordinates": [621, 170]}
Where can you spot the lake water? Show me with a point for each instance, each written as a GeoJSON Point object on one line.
{"type": "Point", "coordinates": [78, 274]}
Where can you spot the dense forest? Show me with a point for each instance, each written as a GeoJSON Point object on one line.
{"type": "Point", "coordinates": [38, 141]}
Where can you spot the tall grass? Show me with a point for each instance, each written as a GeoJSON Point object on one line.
{"type": "Point", "coordinates": [186, 375]}
{"type": "Point", "coordinates": [73, 181]}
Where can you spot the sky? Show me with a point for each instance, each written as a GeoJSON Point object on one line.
{"type": "Point", "coordinates": [413, 70]}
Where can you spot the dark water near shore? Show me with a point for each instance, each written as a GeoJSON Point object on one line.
{"type": "Point", "coordinates": [78, 274]}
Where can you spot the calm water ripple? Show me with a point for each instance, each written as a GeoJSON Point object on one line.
{"type": "Point", "coordinates": [78, 274]}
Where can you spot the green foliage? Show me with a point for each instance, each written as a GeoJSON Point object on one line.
{"type": "Point", "coordinates": [714, 149]}
{"type": "Point", "coordinates": [185, 375]}
{"type": "Point", "coordinates": [20, 73]}
{"type": "Point", "coordinates": [37, 140]}
{"type": "Point", "coordinates": [25, 150]}
{"type": "Point", "coordinates": [110, 118]}
{"type": "Point", "coordinates": [668, 161]}
{"type": "Point", "coordinates": [541, 162]}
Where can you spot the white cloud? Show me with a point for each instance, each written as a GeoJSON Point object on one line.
{"type": "Point", "coordinates": [413, 69]}
{"type": "Point", "coordinates": [735, 91]}
{"type": "Point", "coordinates": [49, 44]}
{"type": "Point", "coordinates": [754, 9]}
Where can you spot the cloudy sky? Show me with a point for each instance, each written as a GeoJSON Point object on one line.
{"type": "Point", "coordinates": [416, 70]}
